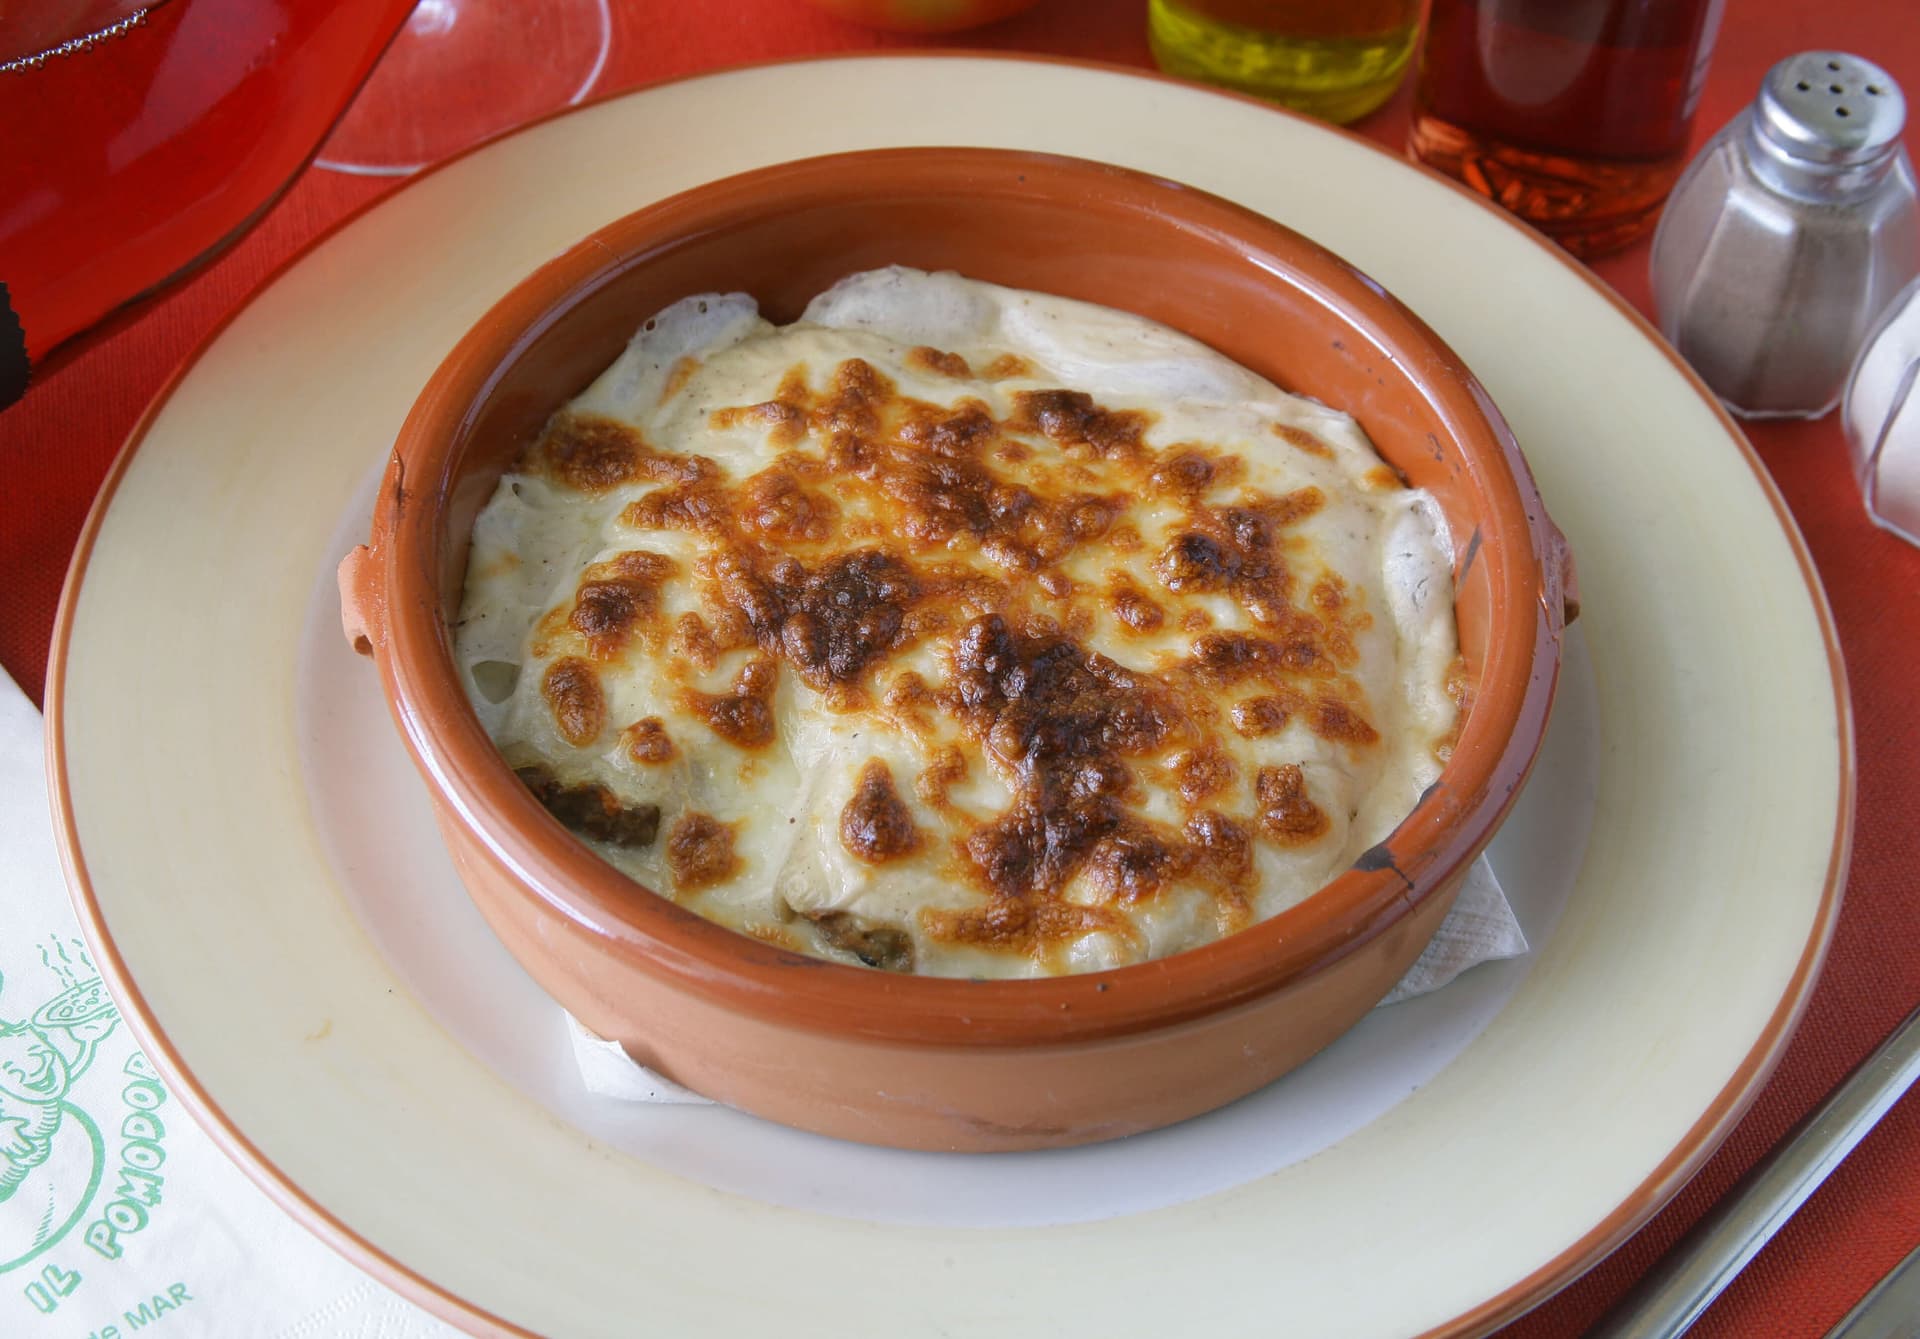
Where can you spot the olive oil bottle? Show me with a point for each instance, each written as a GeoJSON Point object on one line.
{"type": "Point", "coordinates": [1335, 59]}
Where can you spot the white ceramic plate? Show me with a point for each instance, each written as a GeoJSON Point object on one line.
{"type": "Point", "coordinates": [257, 877]}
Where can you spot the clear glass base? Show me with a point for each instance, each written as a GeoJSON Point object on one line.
{"type": "Point", "coordinates": [463, 71]}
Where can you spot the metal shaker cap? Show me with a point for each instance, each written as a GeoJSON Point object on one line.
{"type": "Point", "coordinates": [1830, 108]}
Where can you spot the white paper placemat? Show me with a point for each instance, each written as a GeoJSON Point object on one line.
{"type": "Point", "coordinates": [118, 1215]}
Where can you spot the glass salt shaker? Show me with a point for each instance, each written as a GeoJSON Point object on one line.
{"type": "Point", "coordinates": [1788, 235]}
{"type": "Point", "coordinates": [1882, 417]}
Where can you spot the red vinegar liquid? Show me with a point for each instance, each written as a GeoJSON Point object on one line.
{"type": "Point", "coordinates": [1573, 114]}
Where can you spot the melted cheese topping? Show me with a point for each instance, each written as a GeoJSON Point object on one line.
{"type": "Point", "coordinates": [961, 630]}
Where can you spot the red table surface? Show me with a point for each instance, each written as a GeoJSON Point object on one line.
{"type": "Point", "coordinates": [56, 446]}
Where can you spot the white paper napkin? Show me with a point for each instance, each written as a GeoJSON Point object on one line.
{"type": "Point", "coordinates": [118, 1216]}
{"type": "Point", "coordinates": [1481, 927]}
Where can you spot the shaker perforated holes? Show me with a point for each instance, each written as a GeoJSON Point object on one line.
{"type": "Point", "coordinates": [1830, 106]}
{"type": "Point", "coordinates": [1840, 97]}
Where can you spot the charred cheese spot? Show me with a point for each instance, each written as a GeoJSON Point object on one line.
{"type": "Point", "coordinates": [1235, 550]}
{"type": "Point", "coordinates": [1223, 658]}
{"type": "Point", "coordinates": [1335, 720]}
{"type": "Point", "coordinates": [1007, 366]}
{"type": "Point", "coordinates": [945, 497]}
{"type": "Point", "coordinates": [1292, 507]}
{"type": "Point", "coordinates": [592, 454]}
{"type": "Point", "coordinates": [1071, 418]}
{"type": "Point", "coordinates": [956, 432]}
{"type": "Point", "coordinates": [693, 641]}
{"type": "Point", "coordinates": [592, 810]}
{"type": "Point", "coordinates": [647, 742]}
{"type": "Point", "coordinates": [697, 504]}
{"type": "Point", "coordinates": [1295, 642]}
{"type": "Point", "coordinates": [1133, 607]}
{"type": "Point", "coordinates": [1059, 721]}
{"type": "Point", "coordinates": [1088, 518]}
{"type": "Point", "coordinates": [1222, 852]}
{"type": "Point", "coordinates": [947, 768]}
{"type": "Point", "coordinates": [1329, 593]}
{"type": "Point", "coordinates": [773, 504]}
{"type": "Point", "coordinates": [829, 623]}
{"type": "Point", "coordinates": [1183, 472]}
{"type": "Point", "coordinates": [700, 852]}
{"type": "Point", "coordinates": [617, 598]}
{"type": "Point", "coordinates": [909, 698]}
{"type": "Point", "coordinates": [744, 716]}
{"type": "Point", "coordinates": [1134, 861]}
{"type": "Point", "coordinates": [1011, 925]}
{"type": "Point", "coordinates": [875, 825]}
{"type": "Point", "coordinates": [1203, 772]}
{"type": "Point", "coordinates": [783, 422]}
{"type": "Point", "coordinates": [850, 409]}
{"type": "Point", "coordinates": [572, 690]}
{"type": "Point", "coordinates": [929, 359]}
{"type": "Point", "coordinates": [1268, 714]}
{"type": "Point", "coordinates": [1304, 440]}
{"type": "Point", "coordinates": [1288, 815]}
{"type": "Point", "coordinates": [1194, 563]}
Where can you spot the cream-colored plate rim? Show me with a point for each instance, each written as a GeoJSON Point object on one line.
{"type": "Point", "coordinates": [1648, 1022]}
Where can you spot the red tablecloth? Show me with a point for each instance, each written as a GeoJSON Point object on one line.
{"type": "Point", "coordinates": [56, 445]}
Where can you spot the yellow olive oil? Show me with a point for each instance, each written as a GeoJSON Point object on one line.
{"type": "Point", "coordinates": [1335, 59]}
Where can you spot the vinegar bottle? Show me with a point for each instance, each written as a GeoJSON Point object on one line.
{"type": "Point", "coordinates": [133, 154]}
{"type": "Point", "coordinates": [1335, 59]}
{"type": "Point", "coordinates": [1573, 114]}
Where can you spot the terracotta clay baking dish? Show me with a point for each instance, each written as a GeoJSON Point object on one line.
{"type": "Point", "coordinates": [924, 1062]}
